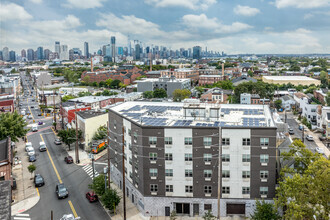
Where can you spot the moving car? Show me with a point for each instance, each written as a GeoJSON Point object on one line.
{"type": "Point", "coordinates": [32, 158]}
{"type": "Point", "coordinates": [322, 138]}
{"type": "Point", "coordinates": [58, 141]}
{"type": "Point", "coordinates": [91, 197]}
{"type": "Point", "coordinates": [40, 123]}
{"type": "Point", "coordinates": [42, 147]}
{"type": "Point", "coordinates": [68, 159]}
{"type": "Point", "coordinates": [39, 114]}
{"type": "Point", "coordinates": [61, 191]}
{"type": "Point", "coordinates": [310, 138]}
{"type": "Point", "coordinates": [30, 117]}
{"type": "Point", "coordinates": [35, 128]}
{"type": "Point", "coordinates": [319, 150]}
{"type": "Point", "coordinates": [38, 180]}
{"type": "Point", "coordinates": [30, 151]}
{"type": "Point", "coordinates": [291, 131]}
{"type": "Point", "coordinates": [301, 127]}
{"type": "Point", "coordinates": [69, 217]}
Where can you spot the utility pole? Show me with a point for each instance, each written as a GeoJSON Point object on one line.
{"type": "Point", "coordinates": [124, 193]}
{"type": "Point", "coordinates": [62, 113]}
{"type": "Point", "coordinates": [54, 108]}
{"type": "Point", "coordinates": [51, 214]}
{"type": "Point", "coordinates": [93, 165]}
{"type": "Point", "coordinates": [109, 155]}
{"type": "Point", "coordinates": [76, 150]}
{"type": "Point", "coordinates": [285, 116]}
{"type": "Point", "coordinates": [219, 170]}
{"type": "Point", "coordinates": [303, 134]}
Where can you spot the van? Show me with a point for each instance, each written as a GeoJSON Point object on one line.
{"type": "Point", "coordinates": [35, 128]}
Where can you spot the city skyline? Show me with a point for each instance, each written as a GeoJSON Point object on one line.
{"type": "Point", "coordinates": [257, 26]}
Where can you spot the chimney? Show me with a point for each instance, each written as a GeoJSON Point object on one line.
{"type": "Point", "coordinates": [223, 70]}
{"type": "Point", "coordinates": [92, 64]}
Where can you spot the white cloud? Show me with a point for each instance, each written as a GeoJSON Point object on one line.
{"type": "Point", "coordinates": [314, 13]}
{"type": "Point", "coordinates": [36, 1]}
{"type": "Point", "coordinates": [245, 10]}
{"type": "Point", "coordinates": [83, 4]}
{"type": "Point", "coordinates": [13, 11]}
{"type": "Point", "coordinates": [70, 22]}
{"type": "Point", "coordinates": [302, 3]}
{"type": "Point", "coordinates": [191, 4]}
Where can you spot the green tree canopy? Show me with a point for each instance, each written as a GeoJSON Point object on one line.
{"type": "Point", "coordinates": [31, 168]}
{"type": "Point", "coordinates": [148, 95]}
{"type": "Point", "coordinates": [108, 93]}
{"type": "Point", "coordinates": [115, 84]}
{"type": "Point", "coordinates": [108, 82]}
{"type": "Point", "coordinates": [81, 94]}
{"type": "Point", "coordinates": [265, 210]}
{"type": "Point", "coordinates": [159, 93]}
{"type": "Point", "coordinates": [68, 97]}
{"type": "Point", "coordinates": [181, 94]}
{"type": "Point", "coordinates": [101, 133]}
{"type": "Point", "coordinates": [225, 84]}
{"type": "Point", "coordinates": [110, 199]}
{"type": "Point", "coordinates": [98, 185]}
{"type": "Point", "coordinates": [278, 103]}
{"type": "Point", "coordinates": [69, 136]}
{"type": "Point", "coordinates": [12, 124]}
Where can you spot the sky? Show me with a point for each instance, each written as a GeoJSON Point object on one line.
{"type": "Point", "coordinates": [232, 26]}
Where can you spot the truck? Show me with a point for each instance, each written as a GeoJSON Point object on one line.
{"type": "Point", "coordinates": [98, 146]}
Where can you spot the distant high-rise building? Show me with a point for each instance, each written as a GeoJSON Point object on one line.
{"type": "Point", "coordinates": [120, 51]}
{"type": "Point", "coordinates": [129, 46]}
{"type": "Point", "coordinates": [5, 54]}
{"type": "Point", "coordinates": [46, 54]}
{"type": "Point", "coordinates": [197, 52]}
{"type": "Point", "coordinates": [137, 51]}
{"type": "Point", "coordinates": [1, 58]}
{"type": "Point", "coordinates": [35, 55]}
{"type": "Point", "coordinates": [57, 47]}
{"type": "Point", "coordinates": [30, 54]}
{"type": "Point", "coordinates": [12, 56]}
{"type": "Point", "coordinates": [23, 53]}
{"type": "Point", "coordinates": [86, 50]}
{"type": "Point", "coordinates": [113, 48]}
{"type": "Point", "coordinates": [40, 53]}
{"type": "Point", "coordinates": [104, 50]}
{"type": "Point", "coordinates": [99, 52]}
{"type": "Point", "coordinates": [64, 55]}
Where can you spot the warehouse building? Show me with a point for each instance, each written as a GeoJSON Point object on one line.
{"type": "Point", "coordinates": [295, 80]}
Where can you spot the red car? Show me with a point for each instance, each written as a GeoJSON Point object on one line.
{"type": "Point", "coordinates": [91, 196]}
{"type": "Point", "coordinates": [68, 159]}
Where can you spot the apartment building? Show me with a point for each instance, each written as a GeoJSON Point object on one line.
{"type": "Point", "coordinates": [181, 73]}
{"type": "Point", "coordinates": [209, 79]}
{"type": "Point", "coordinates": [172, 151]}
{"type": "Point", "coordinates": [306, 107]}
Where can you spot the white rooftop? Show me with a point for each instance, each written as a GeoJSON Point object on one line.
{"type": "Point", "coordinates": [90, 99]}
{"type": "Point", "coordinates": [294, 78]}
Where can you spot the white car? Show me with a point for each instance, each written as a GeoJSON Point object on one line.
{"type": "Point", "coordinates": [319, 150]}
{"type": "Point", "coordinates": [27, 145]}
{"type": "Point", "coordinates": [30, 151]}
{"type": "Point", "coordinates": [310, 138]}
{"type": "Point", "coordinates": [69, 217]}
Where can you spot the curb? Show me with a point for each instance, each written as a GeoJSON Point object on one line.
{"type": "Point", "coordinates": [24, 205]}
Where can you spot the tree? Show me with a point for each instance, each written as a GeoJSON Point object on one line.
{"type": "Point", "coordinates": [278, 103]}
{"type": "Point", "coordinates": [108, 82]}
{"type": "Point", "coordinates": [303, 190]}
{"type": "Point", "coordinates": [95, 84]}
{"type": "Point", "coordinates": [81, 94]}
{"type": "Point", "coordinates": [69, 136]}
{"type": "Point", "coordinates": [115, 84]}
{"type": "Point", "coordinates": [101, 133]}
{"type": "Point", "coordinates": [250, 73]}
{"type": "Point", "coordinates": [108, 93]}
{"type": "Point", "coordinates": [31, 168]}
{"type": "Point", "coordinates": [173, 215]}
{"type": "Point", "coordinates": [225, 84]}
{"type": "Point", "coordinates": [181, 94]}
{"type": "Point", "coordinates": [148, 95]}
{"type": "Point", "coordinates": [159, 93]}
{"type": "Point", "coordinates": [265, 210]}
{"type": "Point", "coordinates": [110, 199]}
{"type": "Point", "coordinates": [87, 79]}
{"type": "Point", "coordinates": [102, 84]}
{"type": "Point", "coordinates": [328, 99]}
{"type": "Point", "coordinates": [12, 124]}
{"type": "Point", "coordinates": [68, 97]}
{"type": "Point", "coordinates": [209, 216]}
{"type": "Point", "coordinates": [98, 185]}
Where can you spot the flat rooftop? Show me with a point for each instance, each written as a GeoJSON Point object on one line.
{"type": "Point", "coordinates": [294, 78]}
{"type": "Point", "coordinates": [172, 114]}
{"type": "Point", "coordinates": [89, 99]}
{"type": "Point", "coordinates": [90, 114]}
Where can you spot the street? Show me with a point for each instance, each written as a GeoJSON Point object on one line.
{"type": "Point", "coordinates": [50, 164]}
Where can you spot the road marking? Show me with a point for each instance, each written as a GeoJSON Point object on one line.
{"type": "Point", "coordinates": [21, 218]}
{"type": "Point", "coordinates": [100, 163]}
{"type": "Point", "coordinates": [51, 160]}
{"type": "Point", "coordinates": [89, 170]}
{"type": "Point", "coordinates": [23, 215]}
{"type": "Point", "coordinates": [72, 208]}
{"type": "Point", "coordinates": [38, 192]}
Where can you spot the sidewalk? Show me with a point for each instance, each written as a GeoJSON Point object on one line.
{"type": "Point", "coordinates": [26, 195]}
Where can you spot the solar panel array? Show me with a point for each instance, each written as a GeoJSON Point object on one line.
{"type": "Point", "coordinates": [153, 121]}
{"type": "Point", "coordinates": [253, 122]}
{"type": "Point", "coordinates": [182, 122]}
{"type": "Point", "coordinates": [161, 109]}
{"type": "Point", "coordinates": [133, 115]}
{"type": "Point", "coordinates": [245, 111]}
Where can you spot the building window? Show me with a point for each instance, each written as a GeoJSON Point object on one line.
{"type": "Point", "coordinates": [135, 137]}
{"type": "Point", "coordinates": [245, 174]}
{"type": "Point", "coordinates": [169, 188]}
{"type": "Point", "coordinates": [246, 142]}
{"type": "Point", "coordinates": [168, 156]}
{"type": "Point", "coordinates": [153, 187]}
{"type": "Point", "coordinates": [245, 190]}
{"type": "Point", "coordinates": [189, 189]}
{"type": "Point", "coordinates": [130, 160]}
{"type": "Point", "coordinates": [225, 174]}
{"type": "Point", "coordinates": [152, 140]}
{"type": "Point", "coordinates": [188, 173]}
{"type": "Point", "coordinates": [208, 189]}
{"type": "Point", "coordinates": [225, 157]}
{"type": "Point", "coordinates": [130, 146]}
{"type": "Point", "coordinates": [153, 156]}
{"type": "Point", "coordinates": [207, 173]}
{"type": "Point", "coordinates": [207, 207]}
{"type": "Point", "coordinates": [187, 157]}
{"type": "Point", "coordinates": [263, 190]}
{"type": "Point", "coordinates": [168, 140]}
{"type": "Point", "coordinates": [328, 125]}
{"type": "Point", "coordinates": [246, 158]}
{"type": "Point", "coordinates": [207, 157]}
{"type": "Point", "coordinates": [168, 172]}
{"type": "Point", "coordinates": [264, 158]}
{"type": "Point", "coordinates": [153, 172]}
{"type": "Point", "coordinates": [225, 141]}
{"type": "Point", "coordinates": [188, 140]}
{"type": "Point", "coordinates": [263, 174]}
{"type": "Point", "coordinates": [264, 141]}
{"type": "Point", "coordinates": [114, 124]}
{"type": "Point", "coordinates": [207, 141]}
{"type": "Point", "coordinates": [129, 132]}
{"type": "Point", "coordinates": [225, 190]}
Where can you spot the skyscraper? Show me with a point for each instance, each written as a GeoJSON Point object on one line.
{"type": "Point", "coordinates": [64, 55]}
{"type": "Point", "coordinates": [57, 47]}
{"type": "Point", "coordinates": [23, 53]}
{"type": "Point", "coordinates": [113, 48]}
{"type": "Point", "coordinates": [30, 55]}
{"type": "Point", "coordinates": [5, 54]}
{"type": "Point", "coordinates": [137, 51]}
{"type": "Point", "coordinates": [129, 46]}
{"type": "Point", "coordinates": [197, 52]}
{"type": "Point", "coordinates": [46, 54]}
{"type": "Point", "coordinates": [86, 50]}
{"type": "Point", "coordinates": [40, 53]}
{"type": "Point", "coordinates": [1, 58]}
{"type": "Point", "coordinates": [12, 56]}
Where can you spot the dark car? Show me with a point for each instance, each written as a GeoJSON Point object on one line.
{"type": "Point", "coordinates": [61, 191]}
{"type": "Point", "coordinates": [91, 197]}
{"type": "Point", "coordinates": [68, 159]}
{"type": "Point", "coordinates": [39, 114]}
{"type": "Point", "coordinates": [58, 141]}
{"type": "Point", "coordinates": [301, 127]}
{"type": "Point", "coordinates": [42, 148]}
{"type": "Point", "coordinates": [32, 158]}
{"type": "Point", "coordinates": [38, 180]}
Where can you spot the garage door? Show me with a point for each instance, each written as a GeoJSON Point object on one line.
{"type": "Point", "coordinates": [235, 209]}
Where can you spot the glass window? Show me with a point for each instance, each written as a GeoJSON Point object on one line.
{"type": "Point", "coordinates": [245, 190]}
{"type": "Point", "coordinates": [189, 189]}
{"type": "Point", "coordinates": [207, 189]}
{"type": "Point", "coordinates": [207, 141]}
{"type": "Point", "coordinates": [245, 174]}
{"type": "Point", "coordinates": [207, 157]}
{"type": "Point", "coordinates": [168, 172]}
{"type": "Point", "coordinates": [264, 158]}
{"type": "Point", "coordinates": [153, 172]}
{"type": "Point", "coordinates": [225, 157]}
{"type": "Point", "coordinates": [135, 137]}
{"type": "Point", "coordinates": [225, 190]}
{"type": "Point", "coordinates": [168, 140]}
{"type": "Point", "coordinates": [207, 207]}
{"type": "Point", "coordinates": [246, 142]}
{"type": "Point", "coordinates": [129, 132]}
{"type": "Point", "coordinates": [263, 190]}
{"type": "Point", "coordinates": [188, 157]}
{"type": "Point", "coordinates": [246, 158]}
{"type": "Point", "coordinates": [263, 174]}
{"type": "Point", "coordinates": [152, 140]}
{"type": "Point", "coordinates": [169, 188]}
{"type": "Point", "coordinates": [168, 156]}
{"type": "Point", "coordinates": [188, 173]}
{"type": "Point", "coordinates": [264, 141]}
{"type": "Point", "coordinates": [225, 174]}
{"type": "Point", "coordinates": [188, 140]}
{"type": "Point", "coordinates": [225, 141]}
{"type": "Point", "coordinates": [114, 124]}
{"type": "Point", "coordinates": [207, 173]}
{"type": "Point", "coordinates": [153, 156]}
{"type": "Point", "coordinates": [153, 187]}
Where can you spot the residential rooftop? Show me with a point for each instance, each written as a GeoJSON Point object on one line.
{"type": "Point", "coordinates": [90, 114]}
{"type": "Point", "coordinates": [195, 114]}
{"type": "Point", "coordinates": [89, 99]}
{"type": "Point", "coordinates": [294, 78]}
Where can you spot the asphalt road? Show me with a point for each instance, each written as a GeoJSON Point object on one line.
{"type": "Point", "coordinates": [52, 167]}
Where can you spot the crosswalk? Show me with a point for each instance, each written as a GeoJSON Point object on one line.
{"type": "Point", "coordinates": [89, 170]}
{"type": "Point", "coordinates": [22, 217]}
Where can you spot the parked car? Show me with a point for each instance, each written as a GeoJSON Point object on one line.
{"type": "Point", "coordinates": [319, 150]}
{"type": "Point", "coordinates": [91, 197]}
{"type": "Point", "coordinates": [310, 138]}
{"type": "Point", "coordinates": [61, 191]}
{"type": "Point", "coordinates": [32, 158]}
{"type": "Point", "coordinates": [68, 159]}
{"type": "Point", "coordinates": [291, 131]}
{"type": "Point", "coordinates": [39, 114]}
{"type": "Point", "coordinates": [301, 127]}
{"type": "Point", "coordinates": [58, 141]}
{"type": "Point", "coordinates": [42, 147]}
{"type": "Point", "coordinates": [38, 180]}
{"type": "Point", "coordinates": [32, 105]}
{"type": "Point", "coordinates": [30, 151]}
{"type": "Point", "coordinates": [69, 217]}
{"type": "Point", "coordinates": [322, 138]}
{"type": "Point", "coordinates": [30, 117]}
{"type": "Point", "coordinates": [28, 144]}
